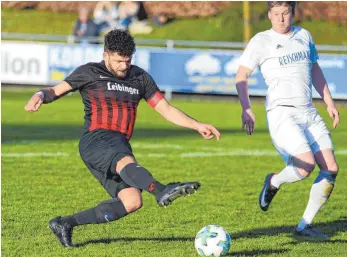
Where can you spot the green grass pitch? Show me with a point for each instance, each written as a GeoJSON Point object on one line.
{"type": "Point", "coordinates": [36, 188]}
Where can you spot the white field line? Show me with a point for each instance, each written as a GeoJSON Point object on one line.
{"type": "Point", "coordinates": [18, 142]}
{"type": "Point", "coordinates": [156, 146]}
{"type": "Point", "coordinates": [238, 152]}
{"type": "Point", "coordinates": [230, 153]}
{"type": "Point", "coordinates": [44, 154]}
{"type": "Point", "coordinates": [341, 152]}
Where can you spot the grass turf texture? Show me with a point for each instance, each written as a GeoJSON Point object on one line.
{"type": "Point", "coordinates": [227, 26]}
{"type": "Point", "coordinates": [36, 189]}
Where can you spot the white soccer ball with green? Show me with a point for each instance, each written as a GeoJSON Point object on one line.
{"type": "Point", "coordinates": [212, 240]}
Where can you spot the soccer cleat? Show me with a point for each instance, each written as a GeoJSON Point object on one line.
{"type": "Point", "coordinates": [174, 190]}
{"type": "Point", "coordinates": [309, 233]}
{"type": "Point", "coordinates": [62, 230]}
{"type": "Point", "coordinates": [267, 193]}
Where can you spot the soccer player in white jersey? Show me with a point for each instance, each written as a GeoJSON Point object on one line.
{"type": "Point", "coordinates": [287, 57]}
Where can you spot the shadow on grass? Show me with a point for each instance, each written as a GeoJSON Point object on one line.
{"type": "Point", "coordinates": [17, 132]}
{"type": "Point", "coordinates": [256, 252]}
{"type": "Point", "coordinates": [335, 241]}
{"type": "Point", "coordinates": [329, 228]}
{"type": "Point", "coordinates": [174, 239]}
{"type": "Point", "coordinates": [130, 239]}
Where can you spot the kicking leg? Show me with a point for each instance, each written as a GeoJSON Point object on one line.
{"type": "Point", "coordinates": [300, 167]}
{"type": "Point", "coordinates": [286, 126]}
{"type": "Point", "coordinates": [137, 176]}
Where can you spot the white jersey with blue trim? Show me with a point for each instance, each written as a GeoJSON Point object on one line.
{"type": "Point", "coordinates": [285, 60]}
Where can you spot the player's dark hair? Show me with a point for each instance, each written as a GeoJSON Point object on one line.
{"type": "Point", "coordinates": [291, 4]}
{"type": "Point", "coordinates": [119, 41]}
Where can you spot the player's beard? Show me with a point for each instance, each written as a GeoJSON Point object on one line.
{"type": "Point", "coordinates": [121, 74]}
{"type": "Point", "coordinates": [118, 74]}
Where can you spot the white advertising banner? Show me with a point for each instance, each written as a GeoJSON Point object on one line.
{"type": "Point", "coordinates": [24, 63]}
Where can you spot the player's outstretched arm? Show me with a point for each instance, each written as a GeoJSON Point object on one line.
{"type": "Point", "coordinates": [248, 118]}
{"type": "Point", "coordinates": [47, 95]}
{"type": "Point", "coordinates": [322, 88]}
{"type": "Point", "coordinates": [179, 118]}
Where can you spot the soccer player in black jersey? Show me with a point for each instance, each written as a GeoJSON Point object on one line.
{"type": "Point", "coordinates": [111, 91]}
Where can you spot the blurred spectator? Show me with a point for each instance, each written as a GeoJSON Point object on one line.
{"type": "Point", "coordinates": [133, 17]}
{"type": "Point", "coordinates": [142, 14]}
{"type": "Point", "coordinates": [106, 16]}
{"type": "Point", "coordinates": [115, 15]}
{"type": "Point", "coordinates": [161, 19]}
{"type": "Point", "coordinates": [84, 26]}
{"type": "Point", "coordinates": [128, 11]}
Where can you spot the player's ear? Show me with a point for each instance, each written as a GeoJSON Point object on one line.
{"type": "Point", "coordinates": [269, 15]}
{"type": "Point", "coordinates": [105, 55]}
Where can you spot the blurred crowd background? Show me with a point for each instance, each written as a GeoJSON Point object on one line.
{"type": "Point", "coordinates": [187, 46]}
{"type": "Point", "coordinates": [96, 18]}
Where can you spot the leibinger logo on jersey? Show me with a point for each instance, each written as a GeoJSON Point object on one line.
{"type": "Point", "coordinates": [294, 57]}
{"type": "Point", "coordinates": [121, 87]}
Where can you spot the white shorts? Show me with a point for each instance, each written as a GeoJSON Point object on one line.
{"type": "Point", "coordinates": [297, 130]}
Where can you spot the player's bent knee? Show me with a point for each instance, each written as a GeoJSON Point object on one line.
{"type": "Point", "coordinates": [131, 198]}
{"type": "Point", "coordinates": [305, 163]}
{"type": "Point", "coordinates": [132, 204]}
{"type": "Point", "coordinates": [309, 168]}
{"type": "Point", "coordinates": [124, 162]}
{"type": "Point", "coordinates": [334, 167]}
{"type": "Point", "coordinates": [306, 171]}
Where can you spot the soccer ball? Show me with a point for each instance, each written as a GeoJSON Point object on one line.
{"type": "Point", "coordinates": [212, 240]}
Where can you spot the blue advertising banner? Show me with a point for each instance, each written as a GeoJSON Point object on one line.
{"type": "Point", "coordinates": [193, 71]}
{"type": "Point", "coordinates": [63, 59]}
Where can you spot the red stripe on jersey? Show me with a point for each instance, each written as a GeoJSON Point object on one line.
{"type": "Point", "coordinates": [154, 100]}
{"type": "Point", "coordinates": [132, 120]}
{"type": "Point", "coordinates": [123, 128]}
{"type": "Point", "coordinates": [94, 119]}
{"type": "Point", "coordinates": [114, 115]}
{"type": "Point", "coordinates": [104, 111]}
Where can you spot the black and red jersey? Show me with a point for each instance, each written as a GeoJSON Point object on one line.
{"type": "Point", "coordinates": [110, 103]}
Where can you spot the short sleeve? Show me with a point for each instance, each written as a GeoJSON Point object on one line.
{"type": "Point", "coordinates": [79, 78]}
{"type": "Point", "coordinates": [251, 56]}
{"type": "Point", "coordinates": [152, 93]}
{"type": "Point", "coordinates": [313, 51]}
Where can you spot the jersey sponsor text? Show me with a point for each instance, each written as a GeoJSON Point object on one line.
{"type": "Point", "coordinates": [120, 87]}
{"type": "Point", "coordinates": [294, 57]}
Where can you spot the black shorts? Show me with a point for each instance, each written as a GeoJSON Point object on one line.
{"type": "Point", "coordinates": [101, 150]}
